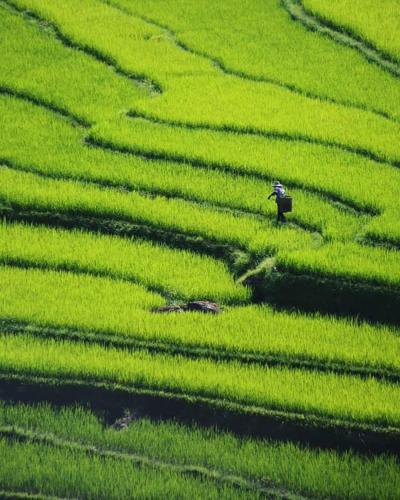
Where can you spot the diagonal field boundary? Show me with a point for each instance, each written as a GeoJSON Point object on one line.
{"type": "Point", "coordinates": [24, 495]}
{"type": "Point", "coordinates": [340, 35]}
{"type": "Point", "coordinates": [49, 106]}
{"type": "Point", "coordinates": [22, 435]}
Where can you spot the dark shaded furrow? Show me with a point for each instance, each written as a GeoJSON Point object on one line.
{"type": "Point", "coordinates": [310, 292]}
{"type": "Point", "coordinates": [196, 471]}
{"type": "Point", "coordinates": [341, 35]}
{"type": "Point", "coordinates": [381, 240]}
{"type": "Point", "coordinates": [136, 342]}
{"type": "Point", "coordinates": [138, 79]}
{"type": "Point", "coordinates": [246, 76]}
{"type": "Point", "coordinates": [307, 429]}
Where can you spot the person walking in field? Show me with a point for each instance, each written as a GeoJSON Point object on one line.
{"type": "Point", "coordinates": [279, 192]}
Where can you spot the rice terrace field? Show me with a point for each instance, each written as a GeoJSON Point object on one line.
{"type": "Point", "coordinates": [139, 140]}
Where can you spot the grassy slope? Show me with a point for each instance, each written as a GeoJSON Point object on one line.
{"type": "Point", "coordinates": [121, 62]}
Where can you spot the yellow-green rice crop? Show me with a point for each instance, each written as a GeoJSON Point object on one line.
{"type": "Point", "coordinates": [169, 122]}
{"type": "Point", "coordinates": [71, 473]}
{"type": "Point", "coordinates": [34, 63]}
{"type": "Point", "coordinates": [103, 306]}
{"type": "Point", "coordinates": [267, 44]}
{"type": "Point", "coordinates": [349, 177]}
{"type": "Point", "coordinates": [375, 265]}
{"type": "Point", "coordinates": [337, 396]}
{"type": "Point", "coordinates": [286, 465]}
{"type": "Point", "coordinates": [207, 96]}
{"type": "Point", "coordinates": [342, 174]}
{"type": "Point", "coordinates": [33, 137]}
{"type": "Point", "coordinates": [176, 273]}
{"type": "Point", "coordinates": [376, 22]}
{"type": "Point", "coordinates": [28, 191]}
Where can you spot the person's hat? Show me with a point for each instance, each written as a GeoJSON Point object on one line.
{"type": "Point", "coordinates": [277, 184]}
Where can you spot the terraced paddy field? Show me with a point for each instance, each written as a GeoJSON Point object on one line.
{"type": "Point", "coordinates": [139, 140]}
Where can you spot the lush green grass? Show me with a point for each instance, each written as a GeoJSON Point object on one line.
{"type": "Point", "coordinates": [33, 137]}
{"type": "Point", "coordinates": [36, 468]}
{"type": "Point", "coordinates": [268, 44]}
{"type": "Point", "coordinates": [317, 473]}
{"type": "Point", "coordinates": [342, 397]}
{"type": "Point", "coordinates": [176, 273]}
{"type": "Point", "coordinates": [206, 95]}
{"type": "Point", "coordinates": [29, 191]}
{"type": "Point", "coordinates": [104, 306]}
{"type": "Point", "coordinates": [378, 23]}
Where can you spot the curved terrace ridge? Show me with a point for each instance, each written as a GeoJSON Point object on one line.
{"type": "Point", "coordinates": [192, 200]}
{"type": "Point", "coordinates": [48, 105]}
{"type": "Point", "coordinates": [273, 134]}
{"type": "Point", "coordinates": [135, 342]}
{"type": "Point", "coordinates": [152, 86]}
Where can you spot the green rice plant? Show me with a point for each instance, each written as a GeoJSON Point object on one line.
{"type": "Point", "coordinates": [29, 191]}
{"type": "Point", "coordinates": [340, 397]}
{"type": "Point", "coordinates": [378, 24]}
{"type": "Point", "coordinates": [102, 306]}
{"type": "Point", "coordinates": [350, 261]}
{"type": "Point", "coordinates": [176, 273]}
{"type": "Point", "coordinates": [309, 165]}
{"type": "Point", "coordinates": [109, 297]}
{"type": "Point", "coordinates": [34, 63]}
{"type": "Point", "coordinates": [384, 229]}
{"type": "Point", "coordinates": [39, 468]}
{"type": "Point", "coordinates": [207, 96]}
{"type": "Point", "coordinates": [317, 473]}
{"type": "Point", "coordinates": [282, 51]}
{"type": "Point", "coordinates": [36, 139]}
